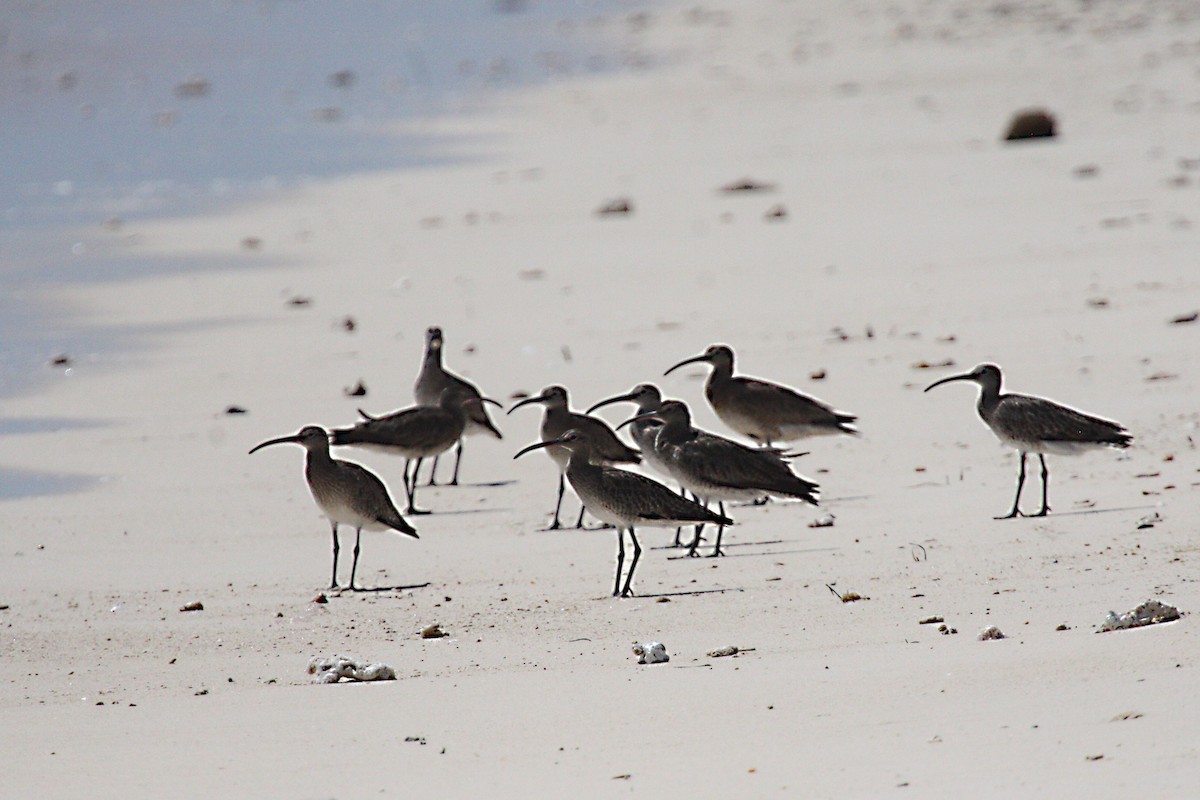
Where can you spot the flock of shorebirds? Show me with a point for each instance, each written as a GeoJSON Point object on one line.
{"type": "Point", "coordinates": [709, 468]}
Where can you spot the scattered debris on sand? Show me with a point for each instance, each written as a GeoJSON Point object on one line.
{"type": "Point", "coordinates": [622, 205]}
{"type": "Point", "coordinates": [847, 597]}
{"type": "Point", "coordinates": [747, 185]}
{"type": "Point", "coordinates": [650, 652]}
{"type": "Point", "coordinates": [730, 650]}
{"type": "Point", "coordinates": [433, 631]}
{"type": "Point", "coordinates": [332, 670]}
{"type": "Point", "coordinates": [1150, 612]}
{"type": "Point", "coordinates": [1034, 123]}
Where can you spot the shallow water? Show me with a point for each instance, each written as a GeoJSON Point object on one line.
{"type": "Point", "coordinates": [112, 110]}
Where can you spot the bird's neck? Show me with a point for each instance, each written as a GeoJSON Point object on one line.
{"type": "Point", "coordinates": [675, 431]}
{"type": "Point", "coordinates": [433, 358]}
{"type": "Point", "coordinates": [579, 465]}
{"type": "Point", "coordinates": [989, 400]}
{"type": "Point", "coordinates": [317, 458]}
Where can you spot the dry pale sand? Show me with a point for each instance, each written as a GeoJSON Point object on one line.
{"type": "Point", "coordinates": [912, 234]}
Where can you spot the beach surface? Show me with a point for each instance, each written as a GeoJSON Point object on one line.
{"type": "Point", "coordinates": [887, 237]}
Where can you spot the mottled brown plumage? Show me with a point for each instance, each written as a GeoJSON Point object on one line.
{"type": "Point", "coordinates": [557, 420]}
{"type": "Point", "coordinates": [346, 493]}
{"type": "Point", "coordinates": [623, 499]}
{"type": "Point", "coordinates": [1036, 425]}
{"type": "Point", "coordinates": [766, 412]}
{"type": "Point", "coordinates": [433, 381]}
{"type": "Point", "coordinates": [415, 433]}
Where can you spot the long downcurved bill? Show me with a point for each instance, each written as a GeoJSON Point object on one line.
{"type": "Point", "coordinates": [649, 415]}
{"type": "Point", "coordinates": [621, 398]}
{"type": "Point", "coordinates": [293, 439]}
{"type": "Point", "coordinates": [964, 377]}
{"type": "Point", "coordinates": [692, 360]}
{"type": "Point", "coordinates": [527, 401]}
{"type": "Point", "coordinates": [538, 446]}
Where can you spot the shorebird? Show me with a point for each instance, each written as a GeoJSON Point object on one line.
{"type": "Point", "coordinates": [557, 420]}
{"type": "Point", "coordinates": [623, 499]}
{"type": "Point", "coordinates": [766, 412]}
{"type": "Point", "coordinates": [433, 380]}
{"type": "Point", "coordinates": [714, 468]}
{"type": "Point", "coordinates": [416, 433]}
{"type": "Point", "coordinates": [346, 493]}
{"type": "Point", "coordinates": [647, 398]}
{"type": "Point", "coordinates": [1036, 425]}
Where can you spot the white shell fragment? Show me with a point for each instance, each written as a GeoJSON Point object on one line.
{"type": "Point", "coordinates": [331, 670]}
{"type": "Point", "coordinates": [991, 632]}
{"type": "Point", "coordinates": [1150, 612]}
{"type": "Point", "coordinates": [650, 652]}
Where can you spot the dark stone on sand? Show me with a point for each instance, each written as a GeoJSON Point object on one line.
{"type": "Point", "coordinates": [1031, 124]}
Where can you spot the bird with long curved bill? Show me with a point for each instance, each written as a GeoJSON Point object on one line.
{"type": "Point", "coordinates": [622, 499]}
{"type": "Point", "coordinates": [1036, 425]}
{"type": "Point", "coordinates": [347, 494]}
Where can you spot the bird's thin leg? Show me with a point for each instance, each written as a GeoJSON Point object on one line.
{"type": "Point", "coordinates": [620, 560]}
{"type": "Point", "coordinates": [412, 494]}
{"type": "Point", "coordinates": [562, 487]}
{"type": "Point", "coordinates": [433, 473]}
{"type": "Point", "coordinates": [759, 501]}
{"type": "Point", "coordinates": [1016, 509]}
{"type": "Point", "coordinates": [637, 553]}
{"type": "Point", "coordinates": [579, 522]}
{"type": "Point", "coordinates": [408, 494]}
{"type": "Point", "coordinates": [354, 563]}
{"type": "Point", "coordinates": [720, 530]}
{"type": "Point", "coordinates": [1045, 487]}
{"type": "Point", "coordinates": [697, 530]}
{"type": "Point", "coordinates": [336, 548]}
{"type": "Point", "coordinates": [679, 531]}
{"type": "Point", "coordinates": [457, 461]}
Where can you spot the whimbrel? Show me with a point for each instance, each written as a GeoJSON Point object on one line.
{"type": "Point", "coordinates": [647, 398]}
{"type": "Point", "coordinates": [718, 469]}
{"type": "Point", "coordinates": [433, 380]}
{"type": "Point", "coordinates": [557, 420]}
{"type": "Point", "coordinates": [623, 499]}
{"type": "Point", "coordinates": [766, 412]}
{"type": "Point", "coordinates": [1036, 425]}
{"type": "Point", "coordinates": [347, 494]}
{"type": "Point", "coordinates": [416, 433]}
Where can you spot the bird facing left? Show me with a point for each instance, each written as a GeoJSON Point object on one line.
{"type": "Point", "coordinates": [346, 493]}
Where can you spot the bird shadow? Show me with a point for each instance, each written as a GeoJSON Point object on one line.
{"type": "Point", "coordinates": [459, 512]}
{"type": "Point", "coordinates": [377, 589]}
{"type": "Point", "coordinates": [1084, 511]}
{"type": "Point", "coordinates": [755, 554]}
{"type": "Point", "coordinates": [726, 544]}
{"type": "Point", "coordinates": [571, 528]}
{"type": "Point", "coordinates": [688, 593]}
{"type": "Point", "coordinates": [465, 485]}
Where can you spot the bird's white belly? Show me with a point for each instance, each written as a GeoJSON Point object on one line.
{"type": "Point", "coordinates": [791, 431]}
{"type": "Point", "coordinates": [744, 424]}
{"type": "Point", "coordinates": [1052, 448]}
{"type": "Point", "coordinates": [343, 514]}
